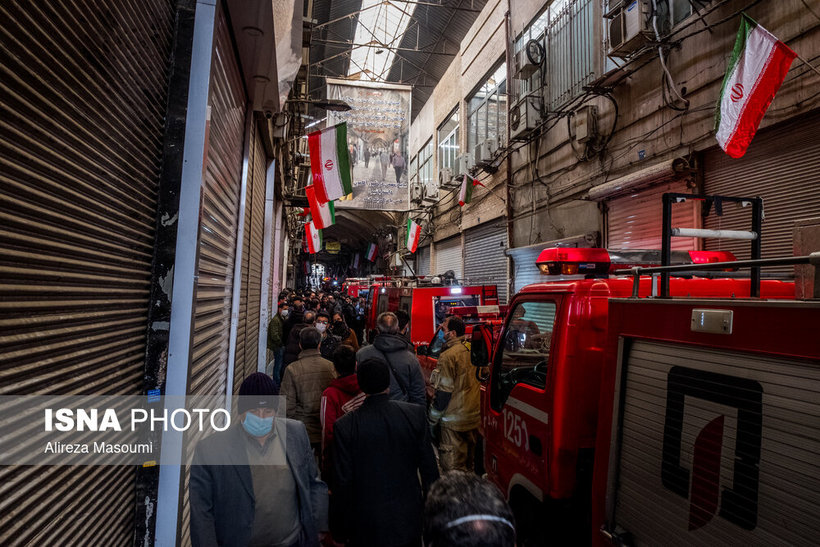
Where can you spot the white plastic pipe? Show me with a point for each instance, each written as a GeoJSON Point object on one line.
{"type": "Point", "coordinates": [725, 234]}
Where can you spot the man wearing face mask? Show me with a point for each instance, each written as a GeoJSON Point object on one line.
{"type": "Point", "coordinates": [278, 330]}
{"type": "Point", "coordinates": [257, 483]}
{"type": "Point", "coordinates": [456, 402]}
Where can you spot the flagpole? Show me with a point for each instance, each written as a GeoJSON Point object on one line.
{"type": "Point", "coordinates": [805, 62]}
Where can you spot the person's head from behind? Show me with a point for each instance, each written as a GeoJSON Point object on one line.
{"type": "Point", "coordinates": [309, 338]}
{"type": "Point", "coordinates": [309, 317]}
{"type": "Point", "coordinates": [373, 376]}
{"type": "Point", "coordinates": [344, 360]}
{"type": "Point", "coordinates": [464, 510]}
{"type": "Point", "coordinates": [298, 303]}
{"type": "Point", "coordinates": [404, 320]}
{"type": "Point", "coordinates": [387, 323]}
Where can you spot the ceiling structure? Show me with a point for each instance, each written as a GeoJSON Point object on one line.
{"type": "Point", "coordinates": [407, 42]}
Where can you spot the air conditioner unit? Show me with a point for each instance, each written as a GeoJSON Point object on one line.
{"type": "Point", "coordinates": [445, 176]}
{"type": "Point", "coordinates": [522, 66]}
{"type": "Point", "coordinates": [464, 163]}
{"type": "Point", "coordinates": [629, 27]}
{"type": "Point", "coordinates": [416, 192]}
{"type": "Point", "coordinates": [524, 116]}
{"type": "Point", "coordinates": [485, 151]}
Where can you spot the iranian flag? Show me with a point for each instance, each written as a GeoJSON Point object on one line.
{"type": "Point", "coordinates": [314, 237]}
{"type": "Point", "coordinates": [330, 163]}
{"type": "Point", "coordinates": [758, 66]}
{"type": "Point", "coordinates": [323, 214]}
{"type": "Point", "coordinates": [466, 193]}
{"type": "Point", "coordinates": [372, 251]}
{"type": "Point", "coordinates": [413, 232]}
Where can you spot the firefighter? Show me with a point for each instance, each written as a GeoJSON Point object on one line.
{"type": "Point", "coordinates": [456, 403]}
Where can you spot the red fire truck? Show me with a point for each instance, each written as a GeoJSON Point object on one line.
{"type": "Point", "coordinates": [709, 423]}
{"type": "Point", "coordinates": [541, 402]}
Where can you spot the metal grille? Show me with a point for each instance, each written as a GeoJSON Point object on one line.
{"type": "Point", "coordinates": [635, 221]}
{"type": "Point", "coordinates": [572, 51]}
{"type": "Point", "coordinates": [781, 166]}
{"type": "Point", "coordinates": [257, 232]}
{"type": "Point", "coordinates": [484, 259]}
{"type": "Point", "coordinates": [217, 233]}
{"type": "Point", "coordinates": [423, 261]}
{"type": "Point", "coordinates": [83, 89]}
{"type": "Point", "coordinates": [449, 256]}
{"type": "Point", "coordinates": [789, 470]}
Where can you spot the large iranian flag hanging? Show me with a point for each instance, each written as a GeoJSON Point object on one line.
{"type": "Point", "coordinates": [314, 238]}
{"type": "Point", "coordinates": [330, 162]}
{"type": "Point", "coordinates": [758, 66]}
{"type": "Point", "coordinates": [323, 214]}
{"type": "Point", "coordinates": [413, 232]}
{"type": "Point", "coordinates": [372, 251]}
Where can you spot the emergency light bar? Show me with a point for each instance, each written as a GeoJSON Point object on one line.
{"type": "Point", "coordinates": [594, 261]}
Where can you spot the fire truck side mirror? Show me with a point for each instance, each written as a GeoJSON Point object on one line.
{"type": "Point", "coordinates": [480, 346]}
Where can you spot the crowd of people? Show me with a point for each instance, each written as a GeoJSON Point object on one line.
{"type": "Point", "coordinates": [363, 455]}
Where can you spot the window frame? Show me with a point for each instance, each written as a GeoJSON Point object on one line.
{"type": "Point", "coordinates": [474, 105]}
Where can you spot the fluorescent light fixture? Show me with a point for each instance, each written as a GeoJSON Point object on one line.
{"type": "Point", "coordinates": [455, 290]}
{"type": "Point", "coordinates": [311, 124]}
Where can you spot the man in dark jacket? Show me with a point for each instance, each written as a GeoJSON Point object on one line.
{"type": "Point", "coordinates": [257, 482]}
{"type": "Point", "coordinates": [278, 330]}
{"type": "Point", "coordinates": [406, 380]}
{"type": "Point", "coordinates": [380, 451]}
{"type": "Point", "coordinates": [292, 348]}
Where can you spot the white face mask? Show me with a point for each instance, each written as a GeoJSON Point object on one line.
{"type": "Point", "coordinates": [285, 313]}
{"type": "Point", "coordinates": [321, 327]}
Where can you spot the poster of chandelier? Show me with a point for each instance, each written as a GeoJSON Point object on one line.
{"type": "Point", "coordinates": [378, 126]}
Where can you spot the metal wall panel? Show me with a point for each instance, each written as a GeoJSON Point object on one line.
{"type": "Point", "coordinates": [423, 261]}
{"type": "Point", "coordinates": [449, 256]}
{"type": "Point", "coordinates": [256, 229]}
{"type": "Point", "coordinates": [83, 89]}
{"type": "Point", "coordinates": [781, 394]}
{"type": "Point", "coordinates": [781, 166]}
{"type": "Point", "coordinates": [484, 259]}
{"type": "Point", "coordinates": [635, 221]}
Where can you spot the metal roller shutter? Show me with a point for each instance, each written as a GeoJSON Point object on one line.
{"type": "Point", "coordinates": [83, 89]}
{"type": "Point", "coordinates": [484, 259]}
{"type": "Point", "coordinates": [423, 261]}
{"type": "Point", "coordinates": [789, 469]}
{"type": "Point", "coordinates": [635, 221]}
{"type": "Point", "coordinates": [781, 166]}
{"type": "Point", "coordinates": [448, 257]}
{"type": "Point", "coordinates": [217, 233]}
{"type": "Point", "coordinates": [525, 272]}
{"type": "Point", "coordinates": [256, 228]}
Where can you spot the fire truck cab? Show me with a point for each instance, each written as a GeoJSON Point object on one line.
{"type": "Point", "coordinates": [540, 403]}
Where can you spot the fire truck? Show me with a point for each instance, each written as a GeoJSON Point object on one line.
{"type": "Point", "coordinates": [543, 392]}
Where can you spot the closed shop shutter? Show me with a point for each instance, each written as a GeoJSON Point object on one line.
{"type": "Point", "coordinates": [448, 257]}
{"type": "Point", "coordinates": [782, 166]}
{"type": "Point", "coordinates": [765, 416]}
{"type": "Point", "coordinates": [423, 261]}
{"type": "Point", "coordinates": [256, 227]}
{"type": "Point", "coordinates": [635, 221]}
{"type": "Point", "coordinates": [82, 104]}
{"type": "Point", "coordinates": [217, 233]}
{"type": "Point", "coordinates": [525, 272]}
{"type": "Point", "coordinates": [484, 260]}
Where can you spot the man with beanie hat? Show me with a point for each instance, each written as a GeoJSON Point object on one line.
{"type": "Point", "coordinates": [380, 450]}
{"type": "Point", "coordinates": [257, 483]}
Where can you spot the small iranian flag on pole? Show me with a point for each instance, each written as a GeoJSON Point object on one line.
{"type": "Point", "coordinates": [330, 163]}
{"type": "Point", "coordinates": [314, 238]}
{"type": "Point", "coordinates": [466, 193]}
{"type": "Point", "coordinates": [413, 232]}
{"type": "Point", "coordinates": [372, 251]}
{"type": "Point", "coordinates": [323, 214]}
{"type": "Point", "coordinates": [758, 66]}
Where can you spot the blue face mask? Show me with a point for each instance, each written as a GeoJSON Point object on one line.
{"type": "Point", "coordinates": [256, 426]}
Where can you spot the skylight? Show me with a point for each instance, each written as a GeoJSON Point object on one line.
{"type": "Point", "coordinates": [381, 26]}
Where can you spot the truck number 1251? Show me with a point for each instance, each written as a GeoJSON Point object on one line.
{"type": "Point", "coordinates": [515, 429]}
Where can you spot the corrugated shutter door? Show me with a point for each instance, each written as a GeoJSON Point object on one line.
{"type": "Point", "coordinates": [82, 106]}
{"type": "Point", "coordinates": [484, 259]}
{"type": "Point", "coordinates": [525, 272]}
{"type": "Point", "coordinates": [448, 257]}
{"type": "Point", "coordinates": [217, 232]}
{"type": "Point", "coordinates": [719, 382]}
{"type": "Point", "coordinates": [256, 228]}
{"type": "Point", "coordinates": [635, 221]}
{"type": "Point", "coordinates": [423, 261]}
{"type": "Point", "coordinates": [782, 166]}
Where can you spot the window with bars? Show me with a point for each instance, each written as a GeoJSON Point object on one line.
{"type": "Point", "coordinates": [426, 164]}
{"type": "Point", "coordinates": [487, 110]}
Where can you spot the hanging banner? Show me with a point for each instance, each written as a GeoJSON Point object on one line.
{"type": "Point", "coordinates": [378, 126]}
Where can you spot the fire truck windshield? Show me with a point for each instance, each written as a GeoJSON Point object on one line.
{"type": "Point", "coordinates": [442, 303]}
